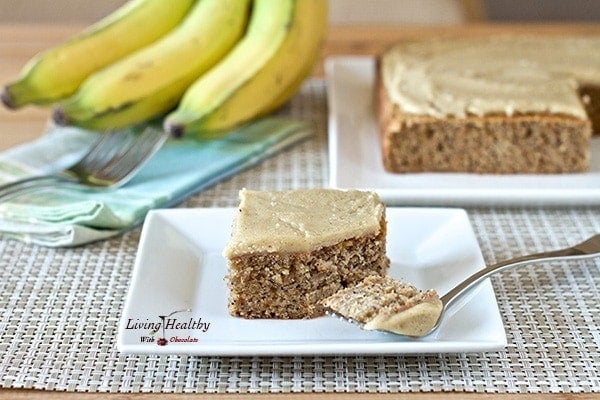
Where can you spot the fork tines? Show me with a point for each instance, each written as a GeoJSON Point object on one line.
{"type": "Point", "coordinates": [130, 156]}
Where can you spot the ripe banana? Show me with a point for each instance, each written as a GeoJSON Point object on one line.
{"type": "Point", "coordinates": [307, 54]}
{"type": "Point", "coordinates": [58, 72]}
{"type": "Point", "coordinates": [260, 73]}
{"type": "Point", "coordinates": [152, 80]}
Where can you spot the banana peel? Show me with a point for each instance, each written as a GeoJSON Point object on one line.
{"type": "Point", "coordinates": [58, 72]}
{"type": "Point", "coordinates": [205, 115]}
{"type": "Point", "coordinates": [151, 81]}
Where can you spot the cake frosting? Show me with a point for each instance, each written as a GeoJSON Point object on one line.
{"type": "Point", "coordinates": [492, 75]}
{"type": "Point", "coordinates": [302, 220]}
{"type": "Point", "coordinates": [386, 304]}
{"type": "Point", "coordinates": [415, 321]}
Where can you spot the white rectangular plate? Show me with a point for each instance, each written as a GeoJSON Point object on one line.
{"type": "Point", "coordinates": [355, 157]}
{"type": "Point", "coordinates": [179, 271]}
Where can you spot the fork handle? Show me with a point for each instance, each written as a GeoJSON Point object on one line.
{"type": "Point", "coordinates": [14, 188]}
{"type": "Point", "coordinates": [575, 252]}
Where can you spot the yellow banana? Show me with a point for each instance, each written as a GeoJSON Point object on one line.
{"type": "Point", "coordinates": [242, 75]}
{"type": "Point", "coordinates": [312, 32]}
{"type": "Point", "coordinates": [152, 80]}
{"type": "Point", "coordinates": [58, 72]}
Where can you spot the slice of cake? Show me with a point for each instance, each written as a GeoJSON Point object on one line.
{"type": "Point", "coordinates": [291, 249]}
{"type": "Point", "coordinates": [500, 104]}
{"type": "Point", "coordinates": [384, 303]}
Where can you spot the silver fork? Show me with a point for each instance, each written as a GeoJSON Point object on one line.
{"type": "Point", "coordinates": [587, 249]}
{"type": "Point", "coordinates": [111, 161]}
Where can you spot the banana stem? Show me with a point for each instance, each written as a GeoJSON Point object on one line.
{"type": "Point", "coordinates": [175, 130]}
{"type": "Point", "coordinates": [6, 99]}
{"type": "Point", "coordinates": [59, 116]}
{"type": "Point", "coordinates": [16, 94]}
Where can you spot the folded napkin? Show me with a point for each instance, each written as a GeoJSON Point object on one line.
{"type": "Point", "coordinates": [69, 215]}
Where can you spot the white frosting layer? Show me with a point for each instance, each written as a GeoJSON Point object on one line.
{"type": "Point", "coordinates": [492, 75]}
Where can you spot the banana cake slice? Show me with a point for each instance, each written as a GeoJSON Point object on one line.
{"type": "Point", "coordinates": [384, 303]}
{"type": "Point", "coordinates": [291, 249]}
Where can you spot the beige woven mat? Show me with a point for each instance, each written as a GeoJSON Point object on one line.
{"type": "Point", "coordinates": [59, 309]}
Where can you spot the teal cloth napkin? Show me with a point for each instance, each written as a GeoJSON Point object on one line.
{"type": "Point", "coordinates": [68, 215]}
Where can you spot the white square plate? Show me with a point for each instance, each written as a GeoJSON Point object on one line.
{"type": "Point", "coordinates": [179, 274]}
{"type": "Point", "coordinates": [355, 157]}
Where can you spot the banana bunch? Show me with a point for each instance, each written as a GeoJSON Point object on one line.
{"type": "Point", "coordinates": [204, 65]}
{"type": "Point", "coordinates": [57, 73]}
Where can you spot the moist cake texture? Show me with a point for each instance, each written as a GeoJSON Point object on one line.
{"type": "Point", "coordinates": [500, 104]}
{"type": "Point", "coordinates": [290, 249]}
{"type": "Point", "coordinates": [384, 303]}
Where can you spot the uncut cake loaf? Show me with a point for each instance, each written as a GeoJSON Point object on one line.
{"type": "Point", "coordinates": [384, 303]}
{"type": "Point", "coordinates": [290, 249]}
{"type": "Point", "coordinates": [500, 104]}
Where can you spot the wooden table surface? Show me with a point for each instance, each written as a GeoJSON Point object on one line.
{"type": "Point", "coordinates": [19, 42]}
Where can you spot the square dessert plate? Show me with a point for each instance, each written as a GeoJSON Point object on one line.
{"type": "Point", "coordinates": [355, 158]}
{"type": "Point", "coordinates": [177, 299]}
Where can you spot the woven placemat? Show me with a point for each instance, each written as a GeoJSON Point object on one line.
{"type": "Point", "coordinates": [60, 308]}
